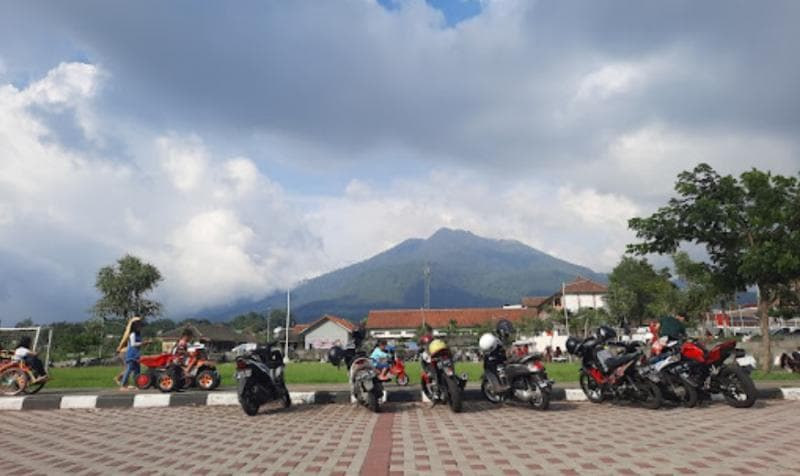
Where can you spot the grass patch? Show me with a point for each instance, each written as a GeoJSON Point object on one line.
{"type": "Point", "coordinates": [322, 373]}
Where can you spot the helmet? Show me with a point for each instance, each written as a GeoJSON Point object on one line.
{"type": "Point", "coordinates": [425, 340]}
{"type": "Point", "coordinates": [436, 346]}
{"type": "Point", "coordinates": [335, 355]}
{"type": "Point", "coordinates": [605, 333]}
{"type": "Point", "coordinates": [504, 328]}
{"type": "Point", "coordinates": [488, 342]}
{"type": "Point", "coordinates": [572, 345]}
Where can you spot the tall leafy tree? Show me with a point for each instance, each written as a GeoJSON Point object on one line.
{"type": "Point", "coordinates": [637, 292]}
{"type": "Point", "coordinates": [124, 287]}
{"type": "Point", "coordinates": [699, 292]}
{"type": "Point", "coordinates": [749, 226]}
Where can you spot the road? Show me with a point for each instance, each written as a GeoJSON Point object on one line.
{"type": "Point", "coordinates": [571, 438]}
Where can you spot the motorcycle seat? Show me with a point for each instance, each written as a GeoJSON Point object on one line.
{"type": "Point", "coordinates": [612, 363]}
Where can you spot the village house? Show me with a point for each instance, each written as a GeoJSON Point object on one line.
{"type": "Point", "coordinates": [326, 332]}
{"type": "Point", "coordinates": [582, 293]}
{"type": "Point", "coordinates": [403, 323]}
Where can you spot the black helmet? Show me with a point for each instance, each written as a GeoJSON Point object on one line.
{"type": "Point", "coordinates": [335, 355]}
{"type": "Point", "coordinates": [605, 333]}
{"type": "Point", "coordinates": [572, 345]}
{"type": "Point", "coordinates": [504, 328]}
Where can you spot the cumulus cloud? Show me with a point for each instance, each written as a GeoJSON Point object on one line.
{"type": "Point", "coordinates": [243, 149]}
{"type": "Point", "coordinates": [218, 228]}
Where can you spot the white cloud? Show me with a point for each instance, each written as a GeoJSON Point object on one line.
{"type": "Point", "coordinates": [217, 228]}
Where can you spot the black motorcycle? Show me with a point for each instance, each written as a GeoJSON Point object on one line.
{"type": "Point", "coordinates": [365, 386]}
{"type": "Point", "coordinates": [259, 376]}
{"type": "Point", "coordinates": [673, 376]}
{"type": "Point", "coordinates": [605, 375]}
{"type": "Point", "coordinates": [439, 380]}
{"type": "Point", "coordinates": [524, 378]}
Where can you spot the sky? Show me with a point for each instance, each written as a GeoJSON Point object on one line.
{"type": "Point", "coordinates": [242, 147]}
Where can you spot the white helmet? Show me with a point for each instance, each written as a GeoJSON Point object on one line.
{"type": "Point", "coordinates": [488, 342]}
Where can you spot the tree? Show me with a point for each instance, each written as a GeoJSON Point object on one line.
{"type": "Point", "coordinates": [750, 228]}
{"type": "Point", "coordinates": [637, 292]}
{"type": "Point", "coordinates": [699, 292]}
{"type": "Point", "coordinates": [123, 288]}
{"type": "Point", "coordinates": [587, 319]}
{"type": "Point", "coordinates": [27, 322]}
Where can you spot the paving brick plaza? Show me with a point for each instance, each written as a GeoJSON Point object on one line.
{"type": "Point", "coordinates": [412, 438]}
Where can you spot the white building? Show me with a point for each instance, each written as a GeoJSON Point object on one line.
{"type": "Point", "coordinates": [582, 293]}
{"type": "Point", "coordinates": [326, 332]}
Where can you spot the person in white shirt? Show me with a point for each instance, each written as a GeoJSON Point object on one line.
{"type": "Point", "coordinates": [26, 355]}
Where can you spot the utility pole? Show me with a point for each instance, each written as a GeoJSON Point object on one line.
{"type": "Point", "coordinates": [286, 331]}
{"type": "Point", "coordinates": [564, 306]}
{"type": "Point", "coordinates": [427, 273]}
{"type": "Point", "coordinates": [269, 318]}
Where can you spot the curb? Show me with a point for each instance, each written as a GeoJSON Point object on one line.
{"type": "Point", "coordinates": [160, 400]}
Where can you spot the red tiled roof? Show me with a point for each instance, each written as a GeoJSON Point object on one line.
{"type": "Point", "coordinates": [337, 320]}
{"type": "Point", "coordinates": [440, 318]}
{"type": "Point", "coordinates": [534, 301]}
{"type": "Point", "coordinates": [583, 285]}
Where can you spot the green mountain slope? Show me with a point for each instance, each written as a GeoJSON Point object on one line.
{"type": "Point", "coordinates": [466, 271]}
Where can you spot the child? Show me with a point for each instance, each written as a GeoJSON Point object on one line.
{"type": "Point", "coordinates": [380, 358]}
{"type": "Point", "coordinates": [181, 348]}
{"type": "Point", "coordinates": [26, 355]}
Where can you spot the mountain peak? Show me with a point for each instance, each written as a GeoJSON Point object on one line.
{"type": "Point", "coordinates": [468, 271]}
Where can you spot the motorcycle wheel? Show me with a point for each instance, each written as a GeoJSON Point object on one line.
{"type": "Point", "coordinates": [591, 389]}
{"type": "Point", "coordinates": [205, 380]}
{"type": "Point", "coordinates": [167, 381]}
{"type": "Point", "coordinates": [249, 406]}
{"type": "Point", "coordinates": [144, 381]}
{"type": "Point", "coordinates": [488, 392]}
{"type": "Point", "coordinates": [649, 394]}
{"type": "Point", "coordinates": [372, 402]}
{"type": "Point", "coordinates": [737, 387]}
{"type": "Point", "coordinates": [540, 399]}
{"type": "Point", "coordinates": [286, 398]}
{"type": "Point", "coordinates": [454, 395]}
{"type": "Point", "coordinates": [402, 380]}
{"type": "Point", "coordinates": [682, 390]}
{"type": "Point", "coordinates": [13, 381]}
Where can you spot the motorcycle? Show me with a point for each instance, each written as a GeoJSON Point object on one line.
{"type": "Point", "coordinates": [439, 380]}
{"type": "Point", "coordinates": [259, 376]}
{"type": "Point", "coordinates": [398, 370]}
{"type": "Point", "coordinates": [18, 377]}
{"type": "Point", "coordinates": [790, 362]}
{"type": "Point", "coordinates": [365, 386]}
{"type": "Point", "coordinates": [168, 373]}
{"type": "Point", "coordinates": [604, 375]}
{"type": "Point", "coordinates": [673, 376]}
{"type": "Point", "coordinates": [710, 374]}
{"type": "Point", "coordinates": [523, 377]}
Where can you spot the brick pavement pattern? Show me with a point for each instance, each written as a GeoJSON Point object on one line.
{"type": "Point", "coordinates": [571, 438]}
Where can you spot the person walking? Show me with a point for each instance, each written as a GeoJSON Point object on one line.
{"type": "Point", "coordinates": [133, 352]}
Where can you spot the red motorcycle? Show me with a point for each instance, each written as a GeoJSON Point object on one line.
{"type": "Point", "coordinates": [398, 370]}
{"type": "Point", "coordinates": [708, 372]}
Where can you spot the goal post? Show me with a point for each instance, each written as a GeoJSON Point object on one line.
{"type": "Point", "coordinates": [41, 337]}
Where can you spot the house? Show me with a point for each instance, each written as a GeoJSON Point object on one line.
{"type": "Point", "coordinates": [326, 332]}
{"type": "Point", "coordinates": [582, 293]}
{"type": "Point", "coordinates": [295, 339]}
{"type": "Point", "coordinates": [216, 337]}
{"type": "Point", "coordinates": [403, 323]}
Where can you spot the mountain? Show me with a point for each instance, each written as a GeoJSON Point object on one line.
{"type": "Point", "coordinates": [466, 271]}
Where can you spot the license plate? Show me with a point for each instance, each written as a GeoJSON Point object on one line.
{"type": "Point", "coordinates": [240, 374]}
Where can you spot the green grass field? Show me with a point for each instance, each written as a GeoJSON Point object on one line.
{"type": "Point", "coordinates": [315, 372]}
